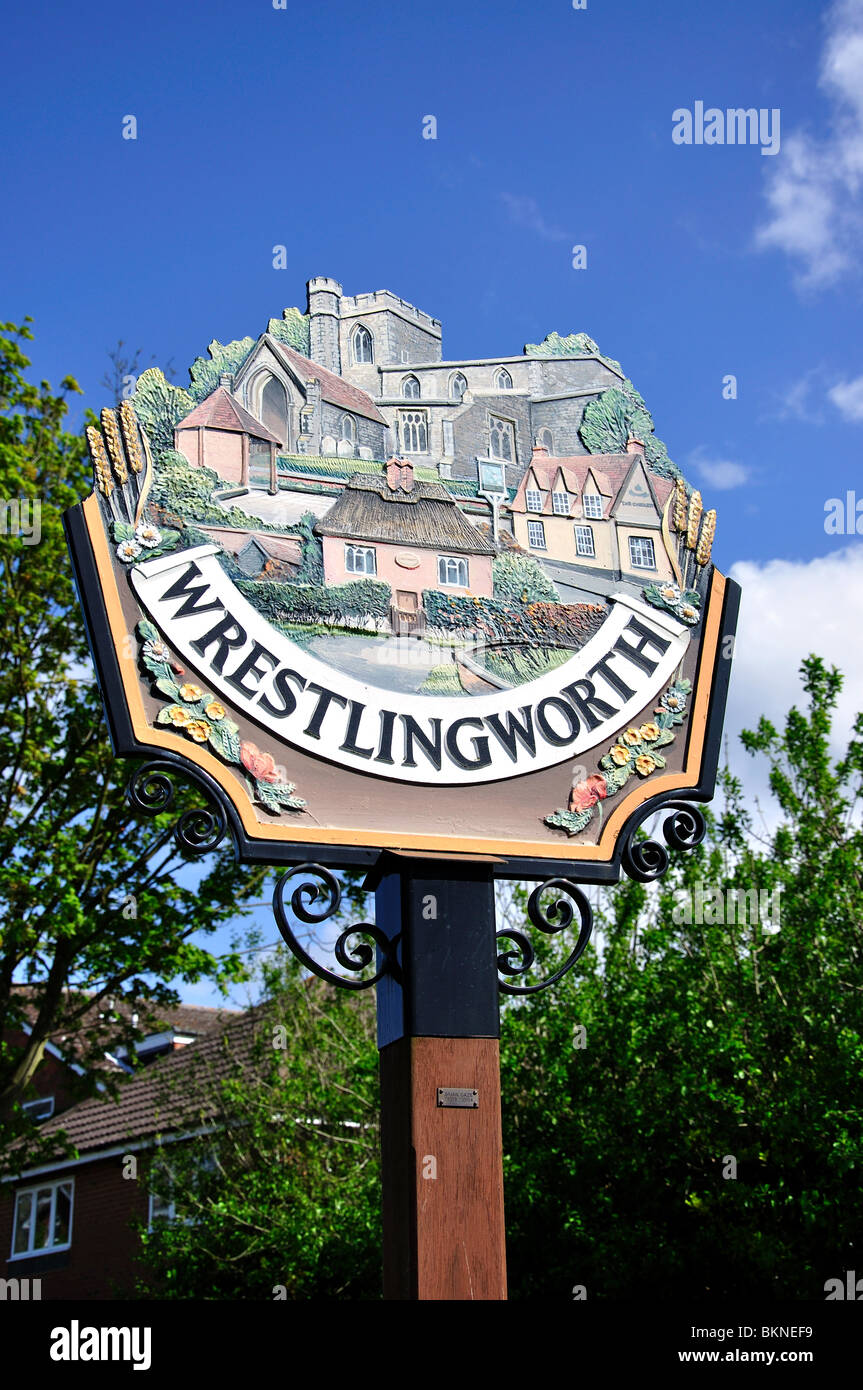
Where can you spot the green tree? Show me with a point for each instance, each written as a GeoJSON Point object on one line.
{"type": "Point", "coordinates": [281, 1198]}
{"type": "Point", "coordinates": [92, 900]}
{"type": "Point", "coordinates": [706, 1041]}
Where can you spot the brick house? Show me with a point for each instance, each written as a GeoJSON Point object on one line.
{"type": "Point", "coordinates": [69, 1219]}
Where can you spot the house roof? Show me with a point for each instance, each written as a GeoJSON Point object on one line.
{"type": "Point", "coordinates": [220, 411]}
{"type": "Point", "coordinates": [609, 470]}
{"type": "Point", "coordinates": [425, 515]}
{"type": "Point", "coordinates": [333, 389]}
{"type": "Point", "coordinates": [179, 1091]}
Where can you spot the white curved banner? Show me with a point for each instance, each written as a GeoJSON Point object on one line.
{"type": "Point", "coordinates": [414, 738]}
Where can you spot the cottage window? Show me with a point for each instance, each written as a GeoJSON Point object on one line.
{"type": "Point", "coordinates": [584, 544]}
{"type": "Point", "coordinates": [361, 559]}
{"type": "Point", "coordinates": [592, 505]}
{"type": "Point", "coordinates": [414, 431]}
{"type": "Point", "coordinates": [533, 499]}
{"type": "Point", "coordinates": [458, 386]}
{"type": "Point", "coordinates": [641, 553]}
{"type": "Point", "coordinates": [503, 380]}
{"type": "Point", "coordinates": [363, 345]}
{"type": "Point", "coordinates": [536, 535]}
{"type": "Point", "coordinates": [43, 1218]}
{"type": "Point", "coordinates": [501, 437]}
{"type": "Point", "coordinates": [560, 503]}
{"type": "Point", "coordinates": [411, 388]}
{"type": "Point", "coordinates": [452, 569]}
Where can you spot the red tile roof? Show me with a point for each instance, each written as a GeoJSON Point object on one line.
{"type": "Point", "coordinates": [333, 389]}
{"type": "Point", "coordinates": [609, 470]}
{"type": "Point", "coordinates": [221, 412]}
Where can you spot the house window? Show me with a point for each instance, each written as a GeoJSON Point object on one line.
{"type": "Point", "coordinates": [452, 569]}
{"type": "Point", "coordinates": [414, 431]}
{"type": "Point", "coordinates": [533, 499]}
{"type": "Point", "coordinates": [503, 380]}
{"type": "Point", "coordinates": [361, 559]}
{"type": "Point", "coordinates": [546, 439]}
{"type": "Point", "coordinates": [363, 346]}
{"type": "Point", "coordinates": [641, 554]}
{"type": "Point", "coordinates": [501, 438]}
{"type": "Point", "coordinates": [43, 1218]}
{"type": "Point", "coordinates": [536, 535]}
{"type": "Point", "coordinates": [584, 542]}
{"type": "Point", "coordinates": [560, 503]}
{"type": "Point", "coordinates": [592, 505]}
{"type": "Point", "coordinates": [39, 1110]}
{"type": "Point", "coordinates": [348, 429]}
{"type": "Point", "coordinates": [458, 386]}
{"type": "Point", "coordinates": [163, 1207]}
{"type": "Point", "coordinates": [448, 438]}
{"type": "Point", "coordinates": [411, 388]}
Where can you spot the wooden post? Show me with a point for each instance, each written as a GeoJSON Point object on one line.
{"type": "Point", "coordinates": [438, 1027]}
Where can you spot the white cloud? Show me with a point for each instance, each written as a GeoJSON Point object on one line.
{"type": "Point", "coordinates": [721, 474]}
{"type": "Point", "coordinates": [789, 610]}
{"type": "Point", "coordinates": [813, 191]}
{"type": "Point", "coordinates": [795, 403]}
{"type": "Point", "coordinates": [526, 212]}
{"type": "Point", "coordinates": [847, 396]}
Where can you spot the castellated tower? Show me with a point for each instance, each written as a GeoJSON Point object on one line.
{"type": "Point", "coordinates": [324, 298]}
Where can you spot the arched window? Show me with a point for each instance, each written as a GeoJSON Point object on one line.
{"type": "Point", "coordinates": [503, 380]}
{"type": "Point", "coordinates": [546, 439]}
{"type": "Point", "coordinates": [413, 426]}
{"type": "Point", "coordinates": [363, 346]}
{"type": "Point", "coordinates": [458, 386]}
{"type": "Point", "coordinates": [274, 410]}
{"type": "Point", "coordinates": [411, 388]}
{"type": "Point", "coordinates": [348, 429]}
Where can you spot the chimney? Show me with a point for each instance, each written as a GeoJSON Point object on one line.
{"type": "Point", "coordinates": [539, 450]}
{"type": "Point", "coordinates": [226, 380]}
{"type": "Point", "coordinates": [634, 445]}
{"type": "Point", "coordinates": [399, 474]}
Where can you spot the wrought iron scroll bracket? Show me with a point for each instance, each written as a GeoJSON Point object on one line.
{"type": "Point", "coordinates": [313, 901]}
{"type": "Point", "coordinates": [196, 831]}
{"type": "Point", "coordinates": [647, 860]}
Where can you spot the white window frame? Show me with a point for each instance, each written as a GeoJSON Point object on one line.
{"type": "Point", "coordinates": [503, 380]}
{"type": "Point", "coordinates": [509, 432]}
{"type": "Point", "coordinates": [634, 543]}
{"type": "Point", "coordinates": [414, 430]}
{"type": "Point", "coordinates": [534, 499]}
{"type": "Point", "coordinates": [560, 503]}
{"type": "Point", "coordinates": [592, 505]}
{"type": "Point", "coordinates": [408, 393]}
{"type": "Point", "coordinates": [457, 386]}
{"type": "Point", "coordinates": [348, 429]}
{"type": "Point", "coordinates": [30, 1107]}
{"type": "Point", "coordinates": [584, 535]}
{"type": "Point", "coordinates": [536, 535]}
{"type": "Point", "coordinates": [32, 1192]}
{"type": "Point", "coordinates": [359, 335]}
{"type": "Point", "coordinates": [360, 551]}
{"type": "Point", "coordinates": [462, 567]}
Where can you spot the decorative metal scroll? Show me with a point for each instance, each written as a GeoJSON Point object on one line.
{"type": "Point", "coordinates": [646, 860]}
{"type": "Point", "coordinates": [315, 899]}
{"type": "Point", "coordinates": [200, 829]}
{"type": "Point", "coordinates": [556, 918]}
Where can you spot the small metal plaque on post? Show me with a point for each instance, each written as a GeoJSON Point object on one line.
{"type": "Point", "coordinates": [459, 1097]}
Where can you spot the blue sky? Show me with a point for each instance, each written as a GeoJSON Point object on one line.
{"type": "Point", "coordinates": [303, 126]}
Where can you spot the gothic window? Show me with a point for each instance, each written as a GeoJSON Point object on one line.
{"type": "Point", "coordinates": [458, 386]}
{"type": "Point", "coordinates": [546, 439]}
{"type": "Point", "coordinates": [274, 410]}
{"type": "Point", "coordinates": [501, 438]}
{"type": "Point", "coordinates": [452, 569]}
{"type": "Point", "coordinates": [348, 429]}
{"type": "Point", "coordinates": [413, 425]}
{"type": "Point", "coordinates": [503, 380]}
{"type": "Point", "coordinates": [361, 559]}
{"type": "Point", "coordinates": [363, 345]}
{"type": "Point", "coordinates": [411, 388]}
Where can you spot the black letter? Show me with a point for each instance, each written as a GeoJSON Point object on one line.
{"type": "Point", "coordinates": [280, 684]}
{"type": "Point", "coordinates": [514, 733]}
{"type": "Point", "coordinates": [583, 695]}
{"type": "Point", "coordinates": [247, 667]}
{"type": "Point", "coordinates": [313, 728]}
{"type": "Point", "coordinates": [636, 654]}
{"type": "Point", "coordinates": [350, 743]}
{"type": "Point", "coordinates": [480, 745]}
{"type": "Point", "coordinates": [548, 733]}
{"type": "Point", "coordinates": [430, 746]}
{"type": "Point", "coordinates": [612, 678]}
{"type": "Point", "coordinates": [180, 589]}
{"type": "Point", "coordinates": [220, 633]}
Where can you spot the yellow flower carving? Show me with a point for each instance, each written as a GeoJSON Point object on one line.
{"type": "Point", "coordinates": [214, 710]}
{"type": "Point", "coordinates": [620, 755]}
{"type": "Point", "coordinates": [644, 764]}
{"type": "Point", "coordinates": [199, 730]}
{"type": "Point", "coordinates": [632, 736]}
{"type": "Point", "coordinates": [649, 732]}
{"type": "Point", "coordinates": [190, 693]}
{"type": "Point", "coordinates": [179, 716]}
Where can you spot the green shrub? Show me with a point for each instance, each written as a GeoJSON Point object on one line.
{"type": "Point", "coordinates": [522, 579]}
